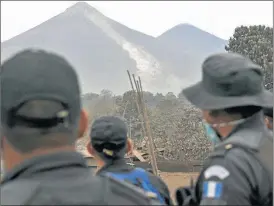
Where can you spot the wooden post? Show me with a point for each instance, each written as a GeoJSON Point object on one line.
{"type": "Point", "coordinates": [147, 126]}
{"type": "Point", "coordinates": [130, 127]}
{"type": "Point", "coordinates": [137, 104]}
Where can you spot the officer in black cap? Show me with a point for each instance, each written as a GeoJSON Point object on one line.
{"type": "Point", "coordinates": [40, 120]}
{"type": "Point", "coordinates": [268, 113]}
{"type": "Point", "coordinates": [231, 97]}
{"type": "Point", "coordinates": [109, 144]}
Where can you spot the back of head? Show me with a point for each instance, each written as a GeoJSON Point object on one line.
{"type": "Point", "coordinates": [40, 99]}
{"type": "Point", "coordinates": [109, 137]}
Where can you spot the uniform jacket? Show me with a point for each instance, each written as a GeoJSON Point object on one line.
{"type": "Point", "coordinates": [64, 179]}
{"type": "Point", "coordinates": [233, 175]}
{"type": "Point", "coordinates": [120, 166]}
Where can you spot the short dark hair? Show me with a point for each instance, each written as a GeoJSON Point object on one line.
{"type": "Point", "coordinates": [243, 111]}
{"type": "Point", "coordinates": [268, 112]}
{"type": "Point", "coordinates": [31, 127]}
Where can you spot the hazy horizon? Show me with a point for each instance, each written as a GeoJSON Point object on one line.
{"type": "Point", "coordinates": [215, 17]}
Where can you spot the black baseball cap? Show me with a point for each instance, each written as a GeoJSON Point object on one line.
{"type": "Point", "coordinates": [39, 75]}
{"type": "Point", "coordinates": [109, 135]}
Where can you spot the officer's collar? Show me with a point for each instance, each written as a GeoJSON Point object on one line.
{"type": "Point", "coordinates": [118, 165]}
{"type": "Point", "coordinates": [248, 133]}
{"type": "Point", "coordinates": [44, 163]}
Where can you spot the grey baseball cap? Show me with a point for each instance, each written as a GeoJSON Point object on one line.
{"type": "Point", "coordinates": [229, 80]}
{"type": "Point", "coordinates": [38, 75]}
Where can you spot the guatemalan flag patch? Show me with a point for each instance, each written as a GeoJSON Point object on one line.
{"type": "Point", "coordinates": [212, 189]}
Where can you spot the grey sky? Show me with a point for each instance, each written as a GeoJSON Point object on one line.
{"type": "Point", "coordinates": [153, 18]}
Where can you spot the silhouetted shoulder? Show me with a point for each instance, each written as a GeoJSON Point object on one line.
{"type": "Point", "coordinates": [81, 190]}
{"type": "Point", "coordinates": [18, 192]}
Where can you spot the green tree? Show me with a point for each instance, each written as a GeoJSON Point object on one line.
{"type": "Point", "coordinates": [255, 42]}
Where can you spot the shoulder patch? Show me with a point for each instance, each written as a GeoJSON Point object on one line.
{"type": "Point", "coordinates": [216, 171]}
{"type": "Point", "coordinates": [212, 189]}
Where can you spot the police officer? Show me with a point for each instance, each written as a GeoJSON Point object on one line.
{"type": "Point", "coordinates": [268, 113]}
{"type": "Point", "coordinates": [231, 98]}
{"type": "Point", "coordinates": [40, 115]}
{"type": "Point", "coordinates": [109, 144]}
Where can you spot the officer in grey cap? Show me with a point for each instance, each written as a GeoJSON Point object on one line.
{"type": "Point", "coordinates": [40, 120]}
{"type": "Point", "coordinates": [231, 97]}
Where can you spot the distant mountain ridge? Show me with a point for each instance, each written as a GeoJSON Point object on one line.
{"type": "Point", "coordinates": [102, 49]}
{"type": "Point", "coordinates": [185, 34]}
